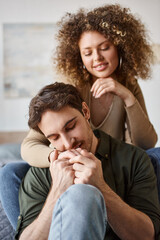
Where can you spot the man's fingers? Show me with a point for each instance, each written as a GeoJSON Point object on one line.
{"type": "Point", "coordinates": [86, 161]}
{"type": "Point", "coordinates": [87, 154]}
{"type": "Point", "coordinates": [78, 167]}
{"type": "Point", "coordinates": [68, 154]}
{"type": "Point", "coordinates": [60, 164]}
{"type": "Point", "coordinates": [53, 155]}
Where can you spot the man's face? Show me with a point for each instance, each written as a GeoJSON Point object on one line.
{"type": "Point", "coordinates": [68, 129]}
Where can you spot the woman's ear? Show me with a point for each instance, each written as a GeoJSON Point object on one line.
{"type": "Point", "coordinates": [85, 110]}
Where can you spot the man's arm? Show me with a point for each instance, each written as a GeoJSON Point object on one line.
{"type": "Point", "coordinates": [39, 228]}
{"type": "Point", "coordinates": [62, 177]}
{"type": "Point", "coordinates": [126, 222]}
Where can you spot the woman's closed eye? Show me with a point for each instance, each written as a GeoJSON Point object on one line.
{"type": "Point", "coordinates": [104, 48]}
{"type": "Point", "coordinates": [87, 54]}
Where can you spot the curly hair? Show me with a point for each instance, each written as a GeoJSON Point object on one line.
{"type": "Point", "coordinates": [119, 26]}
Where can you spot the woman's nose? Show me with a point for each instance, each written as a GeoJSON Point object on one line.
{"type": "Point", "coordinates": [97, 56]}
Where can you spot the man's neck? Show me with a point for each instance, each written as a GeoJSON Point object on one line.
{"type": "Point", "coordinates": [94, 144]}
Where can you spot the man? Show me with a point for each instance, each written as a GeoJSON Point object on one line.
{"type": "Point", "coordinates": [96, 187]}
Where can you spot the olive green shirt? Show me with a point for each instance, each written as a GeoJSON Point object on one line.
{"type": "Point", "coordinates": [127, 170]}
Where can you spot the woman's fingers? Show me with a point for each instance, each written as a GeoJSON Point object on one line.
{"type": "Point", "coordinates": [102, 85]}
{"type": "Point", "coordinates": [105, 85]}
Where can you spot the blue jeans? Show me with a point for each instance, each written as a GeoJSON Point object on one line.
{"type": "Point", "coordinates": [80, 213]}
{"type": "Point", "coordinates": [12, 173]}
{"type": "Point", "coordinates": [10, 178]}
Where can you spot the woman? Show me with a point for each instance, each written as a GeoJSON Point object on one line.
{"type": "Point", "coordinates": [102, 52]}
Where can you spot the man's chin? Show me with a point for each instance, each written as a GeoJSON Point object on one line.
{"type": "Point", "coordinates": [85, 147]}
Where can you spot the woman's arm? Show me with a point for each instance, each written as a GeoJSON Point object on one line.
{"type": "Point", "coordinates": [35, 149]}
{"type": "Point", "coordinates": [141, 130]}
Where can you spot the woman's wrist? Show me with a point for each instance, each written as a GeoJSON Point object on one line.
{"type": "Point", "coordinates": [130, 100]}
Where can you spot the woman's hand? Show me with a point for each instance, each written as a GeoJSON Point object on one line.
{"type": "Point", "coordinates": [108, 85]}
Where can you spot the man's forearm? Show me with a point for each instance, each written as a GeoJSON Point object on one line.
{"type": "Point", "coordinates": [126, 222]}
{"type": "Point", "coordinates": [39, 228]}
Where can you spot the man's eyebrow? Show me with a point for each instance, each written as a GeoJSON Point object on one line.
{"type": "Point", "coordinates": [52, 134]}
{"type": "Point", "coordinates": [69, 122]}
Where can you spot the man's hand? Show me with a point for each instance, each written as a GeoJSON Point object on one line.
{"type": "Point", "coordinates": [62, 175]}
{"type": "Point", "coordinates": [88, 169]}
{"type": "Point", "coordinates": [61, 172]}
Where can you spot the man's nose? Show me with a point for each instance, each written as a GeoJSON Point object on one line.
{"type": "Point", "coordinates": [68, 142]}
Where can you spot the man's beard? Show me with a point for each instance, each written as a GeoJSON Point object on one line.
{"type": "Point", "coordinates": [89, 141]}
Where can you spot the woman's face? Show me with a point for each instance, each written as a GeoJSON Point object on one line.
{"type": "Point", "coordinates": [99, 56]}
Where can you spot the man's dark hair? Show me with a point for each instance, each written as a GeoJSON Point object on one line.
{"type": "Point", "coordinates": [53, 97]}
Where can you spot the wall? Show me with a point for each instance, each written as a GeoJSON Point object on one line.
{"type": "Point", "coordinates": [14, 111]}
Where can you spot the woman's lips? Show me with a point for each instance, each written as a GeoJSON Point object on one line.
{"type": "Point", "coordinates": [100, 67]}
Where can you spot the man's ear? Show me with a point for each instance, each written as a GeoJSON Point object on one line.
{"type": "Point", "coordinates": [85, 110]}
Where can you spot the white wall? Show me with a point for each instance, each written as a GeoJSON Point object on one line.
{"type": "Point", "coordinates": [14, 111]}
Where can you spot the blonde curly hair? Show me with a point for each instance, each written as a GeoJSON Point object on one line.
{"type": "Point", "coordinates": [119, 26]}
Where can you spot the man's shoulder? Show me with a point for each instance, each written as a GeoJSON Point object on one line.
{"type": "Point", "coordinates": [119, 150]}
{"type": "Point", "coordinates": [106, 139]}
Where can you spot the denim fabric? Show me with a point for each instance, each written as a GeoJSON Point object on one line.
{"type": "Point", "coordinates": [10, 178]}
{"type": "Point", "coordinates": [154, 154]}
{"type": "Point", "coordinates": [79, 214]}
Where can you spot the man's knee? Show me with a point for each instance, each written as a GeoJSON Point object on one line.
{"type": "Point", "coordinates": [84, 197]}
{"type": "Point", "coordinates": [84, 192]}
{"type": "Point", "coordinates": [82, 210]}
